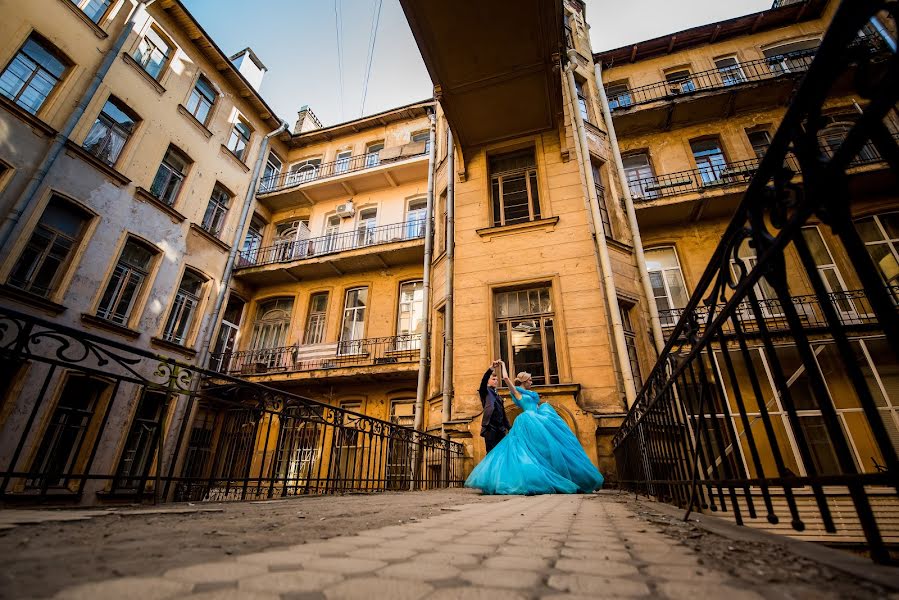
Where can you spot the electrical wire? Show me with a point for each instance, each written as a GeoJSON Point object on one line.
{"type": "Point", "coordinates": [373, 35]}
{"type": "Point", "coordinates": [338, 27]}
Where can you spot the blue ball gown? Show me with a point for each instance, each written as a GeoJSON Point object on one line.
{"type": "Point", "coordinates": [540, 455]}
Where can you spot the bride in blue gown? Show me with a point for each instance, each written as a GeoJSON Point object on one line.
{"type": "Point", "coordinates": [540, 454]}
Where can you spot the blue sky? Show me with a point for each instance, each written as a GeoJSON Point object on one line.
{"type": "Point", "coordinates": [297, 41]}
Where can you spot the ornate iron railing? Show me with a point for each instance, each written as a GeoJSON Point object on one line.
{"type": "Point", "coordinates": [737, 422]}
{"type": "Point", "coordinates": [351, 164]}
{"type": "Point", "coordinates": [291, 250]}
{"type": "Point", "coordinates": [370, 352]}
{"type": "Point", "coordinates": [93, 417]}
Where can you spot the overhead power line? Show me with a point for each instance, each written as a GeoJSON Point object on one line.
{"type": "Point", "coordinates": [338, 27]}
{"type": "Point", "coordinates": [376, 19]}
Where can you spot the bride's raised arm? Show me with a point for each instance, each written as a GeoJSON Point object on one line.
{"type": "Point", "coordinates": [510, 384]}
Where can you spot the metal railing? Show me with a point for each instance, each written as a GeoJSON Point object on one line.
{"type": "Point", "coordinates": [370, 352]}
{"type": "Point", "coordinates": [98, 418]}
{"type": "Point", "coordinates": [351, 164]}
{"type": "Point", "coordinates": [853, 310]}
{"type": "Point", "coordinates": [291, 250]}
{"type": "Point", "coordinates": [780, 3]}
{"type": "Point", "coordinates": [732, 76]}
{"type": "Point", "coordinates": [757, 424]}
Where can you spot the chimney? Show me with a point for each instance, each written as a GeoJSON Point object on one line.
{"type": "Point", "coordinates": [306, 121]}
{"type": "Point", "coordinates": [250, 67]}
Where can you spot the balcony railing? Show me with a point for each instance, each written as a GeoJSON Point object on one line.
{"type": "Point", "coordinates": [780, 3]}
{"type": "Point", "coordinates": [341, 166]}
{"type": "Point", "coordinates": [371, 352]}
{"type": "Point", "coordinates": [291, 250]}
{"type": "Point", "coordinates": [853, 309]}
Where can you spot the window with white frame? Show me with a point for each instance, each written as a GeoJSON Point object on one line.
{"type": "Point", "coordinates": [153, 53]}
{"type": "Point", "coordinates": [170, 176]}
{"type": "Point", "coordinates": [226, 341]}
{"type": "Point", "coordinates": [111, 131]}
{"type": "Point", "coordinates": [422, 136]}
{"type": "Point", "coordinates": [373, 154]}
{"type": "Point", "coordinates": [253, 240]}
{"type": "Point", "coordinates": [317, 319]}
{"type": "Point", "coordinates": [601, 199]}
{"type": "Point", "coordinates": [729, 70]}
{"type": "Point", "coordinates": [410, 315]}
{"type": "Point", "coordinates": [416, 213]}
{"type": "Point", "coordinates": [216, 210]}
{"type": "Point", "coordinates": [630, 341]}
{"type": "Point", "coordinates": [582, 100]}
{"type": "Point", "coordinates": [760, 141]}
{"type": "Point", "coordinates": [273, 168]}
{"type": "Point", "coordinates": [352, 328]}
{"type": "Point", "coordinates": [184, 308]}
{"type": "Point", "coordinates": [829, 272]}
{"type": "Point", "coordinates": [881, 236]}
{"type": "Point", "coordinates": [765, 293]}
{"type": "Point", "coordinates": [201, 100]}
{"type": "Point", "coordinates": [126, 285]}
{"type": "Point", "coordinates": [239, 141]}
{"type": "Point", "coordinates": [272, 324]}
{"type": "Point", "coordinates": [791, 57]}
{"type": "Point", "coordinates": [49, 250]}
{"type": "Point", "coordinates": [680, 81]}
{"type": "Point", "coordinates": [513, 186]}
{"type": "Point", "coordinates": [303, 171]}
{"type": "Point", "coordinates": [667, 280]}
{"type": "Point", "coordinates": [342, 162]}
{"type": "Point", "coordinates": [366, 226]}
{"type": "Point", "coordinates": [33, 73]}
{"type": "Point", "coordinates": [94, 9]}
{"type": "Point", "coordinates": [710, 160]}
{"type": "Point", "coordinates": [525, 330]}
{"type": "Point", "coordinates": [619, 95]}
{"type": "Point", "coordinates": [640, 178]}
{"type": "Point", "coordinates": [140, 446]}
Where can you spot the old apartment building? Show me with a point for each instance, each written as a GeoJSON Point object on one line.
{"type": "Point", "coordinates": [552, 207]}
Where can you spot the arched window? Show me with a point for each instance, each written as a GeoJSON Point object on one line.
{"type": "Point", "coordinates": [272, 323]}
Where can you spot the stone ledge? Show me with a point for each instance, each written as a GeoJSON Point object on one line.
{"type": "Point", "coordinates": [98, 31]}
{"type": "Point", "coordinates": [26, 117]}
{"type": "Point", "coordinates": [194, 121]}
{"type": "Point", "coordinates": [129, 60]}
{"type": "Point", "coordinates": [227, 151]}
{"type": "Point", "coordinates": [142, 194]}
{"type": "Point", "coordinates": [73, 149]}
{"type": "Point", "coordinates": [158, 341]}
{"type": "Point", "coordinates": [29, 299]}
{"type": "Point", "coordinates": [547, 224]}
{"type": "Point", "coordinates": [102, 323]}
{"type": "Point", "coordinates": [209, 237]}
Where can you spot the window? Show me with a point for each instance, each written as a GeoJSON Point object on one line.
{"type": "Point", "coordinates": [342, 164]}
{"type": "Point", "coordinates": [332, 234]}
{"type": "Point", "coordinates": [829, 272]}
{"type": "Point", "coordinates": [227, 336]}
{"type": "Point", "coordinates": [791, 57]}
{"type": "Point", "coordinates": [760, 141]}
{"type": "Point", "coordinates": [881, 236]}
{"type": "Point", "coordinates": [63, 444]}
{"type": "Point", "coordinates": [273, 168]}
{"type": "Point", "coordinates": [525, 329]}
{"type": "Point", "coordinates": [619, 95]}
{"type": "Point", "coordinates": [305, 170]}
{"type": "Point", "coordinates": [216, 210]}
{"type": "Point", "coordinates": [410, 315]}
{"type": "Point", "coordinates": [601, 199]}
{"type": "Point", "coordinates": [316, 321]}
{"type": "Point", "coordinates": [240, 139]}
{"type": "Point", "coordinates": [94, 9]}
{"type": "Point", "coordinates": [253, 240]}
{"type": "Point", "coordinates": [140, 447]}
{"type": "Point", "coordinates": [730, 71]}
{"type": "Point", "coordinates": [415, 218]}
{"type": "Point", "coordinates": [765, 293]}
{"type": "Point", "coordinates": [352, 328]}
{"type": "Point", "coordinates": [442, 231]}
{"type": "Point", "coordinates": [126, 284]}
{"type": "Point", "coordinates": [709, 159]}
{"type": "Point", "coordinates": [170, 176]}
{"type": "Point", "coordinates": [630, 340]}
{"type": "Point", "coordinates": [47, 254]}
{"type": "Point", "coordinates": [365, 227]}
{"type": "Point", "coordinates": [582, 100]}
{"type": "Point", "coordinates": [422, 136]}
{"type": "Point", "coordinates": [667, 281]}
{"type": "Point", "coordinates": [836, 128]}
{"type": "Point", "coordinates": [680, 81]}
{"type": "Point", "coordinates": [373, 154]}
{"type": "Point", "coordinates": [184, 309]}
{"type": "Point", "coordinates": [513, 184]}
{"type": "Point", "coordinates": [33, 74]}
{"type": "Point", "coordinates": [111, 130]}
{"type": "Point", "coordinates": [640, 179]}
{"type": "Point", "coordinates": [201, 100]}
{"type": "Point", "coordinates": [271, 325]}
{"type": "Point", "coordinates": [152, 53]}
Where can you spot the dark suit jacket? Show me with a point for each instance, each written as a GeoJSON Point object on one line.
{"type": "Point", "coordinates": [494, 417]}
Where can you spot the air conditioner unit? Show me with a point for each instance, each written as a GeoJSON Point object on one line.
{"type": "Point", "coordinates": [346, 210]}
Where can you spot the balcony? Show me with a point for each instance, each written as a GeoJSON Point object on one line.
{"type": "Point", "coordinates": [853, 309]}
{"type": "Point", "coordinates": [391, 167]}
{"type": "Point", "coordinates": [350, 252]}
{"type": "Point", "coordinates": [374, 356]}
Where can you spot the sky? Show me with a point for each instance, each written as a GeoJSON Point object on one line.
{"type": "Point", "coordinates": [297, 41]}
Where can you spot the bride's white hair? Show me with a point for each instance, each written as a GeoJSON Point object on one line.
{"type": "Point", "coordinates": [522, 377]}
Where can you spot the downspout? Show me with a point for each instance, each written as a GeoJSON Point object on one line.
{"type": "Point", "coordinates": [423, 361]}
{"type": "Point", "coordinates": [656, 324]}
{"type": "Point", "coordinates": [450, 265]}
{"type": "Point", "coordinates": [187, 409]}
{"type": "Point", "coordinates": [605, 260]}
{"type": "Point", "coordinates": [26, 198]}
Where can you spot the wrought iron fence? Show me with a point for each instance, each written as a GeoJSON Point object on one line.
{"type": "Point", "coordinates": [363, 237]}
{"type": "Point", "coordinates": [92, 417]}
{"type": "Point", "coordinates": [316, 171]}
{"type": "Point", "coordinates": [757, 424]}
{"type": "Point", "coordinates": [370, 352]}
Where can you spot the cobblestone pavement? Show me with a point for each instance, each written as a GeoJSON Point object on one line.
{"type": "Point", "coordinates": [565, 547]}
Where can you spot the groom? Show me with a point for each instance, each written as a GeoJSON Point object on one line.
{"type": "Point", "coordinates": [494, 424]}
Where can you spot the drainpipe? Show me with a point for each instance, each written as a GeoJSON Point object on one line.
{"type": "Point", "coordinates": [26, 198]}
{"type": "Point", "coordinates": [186, 410]}
{"type": "Point", "coordinates": [423, 360]}
{"type": "Point", "coordinates": [657, 335]}
{"type": "Point", "coordinates": [605, 260]}
{"type": "Point", "coordinates": [450, 265]}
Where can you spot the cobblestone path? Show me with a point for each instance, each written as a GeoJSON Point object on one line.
{"type": "Point", "coordinates": [565, 547]}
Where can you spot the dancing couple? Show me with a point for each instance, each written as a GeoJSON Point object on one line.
{"type": "Point", "coordinates": [538, 455]}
